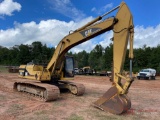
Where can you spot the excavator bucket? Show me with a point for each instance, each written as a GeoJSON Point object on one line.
{"type": "Point", "coordinates": [113, 102]}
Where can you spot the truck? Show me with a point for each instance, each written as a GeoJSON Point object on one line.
{"type": "Point", "coordinates": [76, 71]}
{"type": "Point", "coordinates": [149, 74]}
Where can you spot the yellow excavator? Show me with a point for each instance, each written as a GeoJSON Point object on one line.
{"type": "Point", "coordinates": [86, 71]}
{"type": "Point", "coordinates": [49, 80]}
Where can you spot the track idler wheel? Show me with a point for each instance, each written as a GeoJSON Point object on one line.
{"type": "Point", "coordinates": [77, 89]}
{"type": "Point", "coordinates": [113, 102]}
{"type": "Point", "coordinates": [74, 89]}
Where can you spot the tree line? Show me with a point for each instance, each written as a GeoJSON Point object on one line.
{"type": "Point", "coordinates": [99, 58]}
{"type": "Point", "coordinates": [23, 54]}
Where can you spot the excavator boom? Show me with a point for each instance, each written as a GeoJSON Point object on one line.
{"type": "Point", "coordinates": [77, 37]}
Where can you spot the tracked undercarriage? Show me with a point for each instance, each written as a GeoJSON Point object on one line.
{"type": "Point", "coordinates": [48, 92]}
{"type": "Point", "coordinates": [75, 88]}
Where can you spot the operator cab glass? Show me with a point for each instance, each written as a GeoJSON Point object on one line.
{"type": "Point", "coordinates": [69, 67]}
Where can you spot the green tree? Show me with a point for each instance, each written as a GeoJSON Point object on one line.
{"type": "Point", "coordinates": [24, 54]}
{"type": "Point", "coordinates": [4, 56]}
{"type": "Point", "coordinates": [108, 57]}
{"type": "Point", "coordinates": [96, 57]}
{"type": "Point", "coordinates": [13, 55]}
{"type": "Point", "coordinates": [82, 59]}
{"type": "Point", "coordinates": [36, 52]}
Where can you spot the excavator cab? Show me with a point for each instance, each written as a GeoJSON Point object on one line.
{"type": "Point", "coordinates": [68, 67]}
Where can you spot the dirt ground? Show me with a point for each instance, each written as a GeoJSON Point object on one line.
{"type": "Point", "coordinates": [144, 95]}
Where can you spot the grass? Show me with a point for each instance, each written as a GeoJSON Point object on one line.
{"type": "Point", "coordinates": [3, 69]}
{"type": "Point", "coordinates": [38, 115]}
{"type": "Point", "coordinates": [33, 117]}
{"type": "Point", "coordinates": [97, 114]}
{"type": "Point", "coordinates": [2, 97]}
{"type": "Point", "coordinates": [58, 103]}
{"type": "Point", "coordinates": [40, 112]}
{"type": "Point", "coordinates": [75, 117]}
{"type": "Point", "coordinates": [41, 115]}
{"type": "Point", "coordinates": [15, 109]}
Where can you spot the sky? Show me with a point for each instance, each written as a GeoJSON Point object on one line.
{"type": "Point", "coordinates": [48, 21]}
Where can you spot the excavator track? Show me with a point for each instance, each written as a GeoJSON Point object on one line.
{"type": "Point", "coordinates": [44, 91]}
{"type": "Point", "coordinates": [75, 88]}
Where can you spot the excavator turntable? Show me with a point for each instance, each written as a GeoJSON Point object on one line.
{"type": "Point", "coordinates": [46, 82]}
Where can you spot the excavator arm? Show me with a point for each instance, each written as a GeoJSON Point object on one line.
{"type": "Point", "coordinates": [115, 100]}
{"type": "Point", "coordinates": [123, 31]}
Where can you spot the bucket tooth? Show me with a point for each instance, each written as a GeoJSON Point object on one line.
{"type": "Point", "coordinates": [113, 102]}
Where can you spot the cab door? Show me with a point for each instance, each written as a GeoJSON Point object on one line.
{"type": "Point", "coordinates": [69, 67]}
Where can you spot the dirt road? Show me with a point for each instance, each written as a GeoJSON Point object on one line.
{"type": "Point", "coordinates": [144, 96]}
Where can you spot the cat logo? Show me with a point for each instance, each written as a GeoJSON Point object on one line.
{"type": "Point", "coordinates": [89, 32]}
